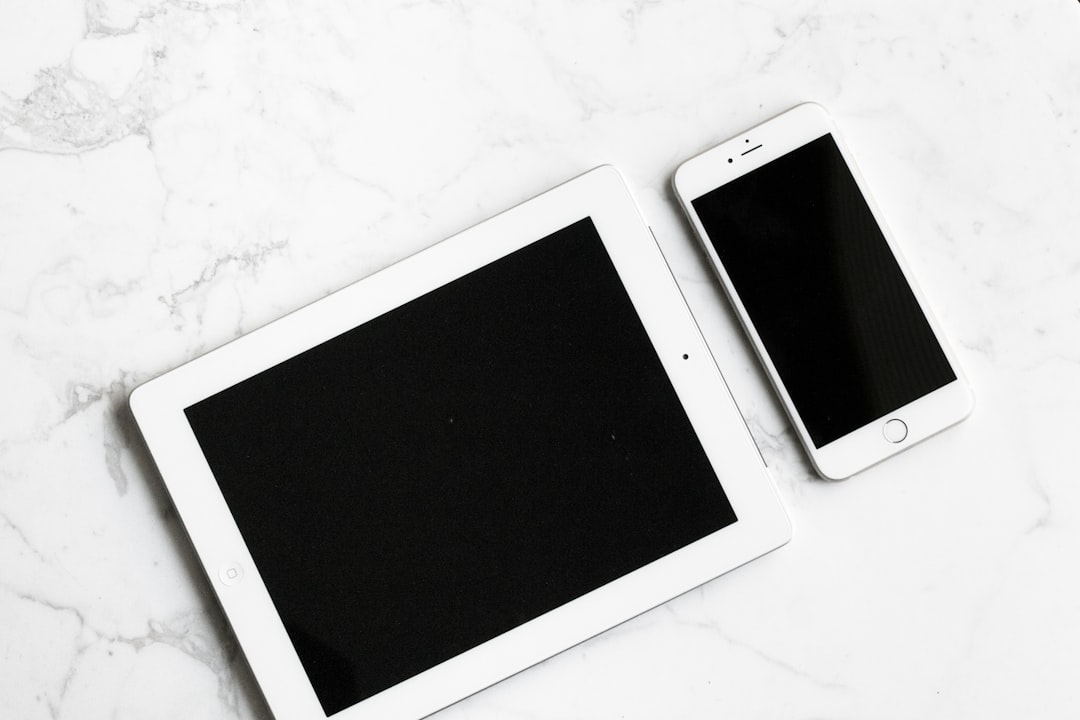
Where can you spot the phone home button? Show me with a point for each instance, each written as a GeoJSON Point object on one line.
{"type": "Point", "coordinates": [895, 430]}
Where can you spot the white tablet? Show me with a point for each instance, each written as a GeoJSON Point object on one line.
{"type": "Point", "coordinates": [463, 464]}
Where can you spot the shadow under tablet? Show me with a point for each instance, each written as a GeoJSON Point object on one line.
{"type": "Point", "coordinates": [459, 466]}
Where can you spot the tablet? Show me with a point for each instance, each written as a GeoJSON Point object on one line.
{"type": "Point", "coordinates": [462, 464]}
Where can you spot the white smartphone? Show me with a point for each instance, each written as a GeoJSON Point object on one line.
{"type": "Point", "coordinates": [816, 280]}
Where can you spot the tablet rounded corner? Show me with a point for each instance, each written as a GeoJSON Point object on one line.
{"type": "Point", "coordinates": [786, 530]}
{"type": "Point", "coordinates": [969, 398]}
{"type": "Point", "coordinates": [778, 526]}
{"type": "Point", "coordinates": [611, 171]}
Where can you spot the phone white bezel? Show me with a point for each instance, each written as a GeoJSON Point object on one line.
{"type": "Point", "coordinates": [762, 525]}
{"type": "Point", "coordinates": [747, 152]}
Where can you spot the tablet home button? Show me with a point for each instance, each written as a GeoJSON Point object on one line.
{"type": "Point", "coordinates": [895, 431]}
{"type": "Point", "coordinates": [231, 573]}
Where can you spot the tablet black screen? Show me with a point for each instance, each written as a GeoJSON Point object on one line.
{"type": "Point", "coordinates": [459, 465]}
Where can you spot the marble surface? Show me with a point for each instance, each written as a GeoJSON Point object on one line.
{"type": "Point", "coordinates": [174, 173]}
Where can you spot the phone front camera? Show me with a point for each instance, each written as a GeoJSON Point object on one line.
{"type": "Point", "coordinates": [730, 160]}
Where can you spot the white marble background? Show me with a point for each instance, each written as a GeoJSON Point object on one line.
{"type": "Point", "coordinates": [175, 172]}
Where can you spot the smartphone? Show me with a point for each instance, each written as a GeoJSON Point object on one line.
{"type": "Point", "coordinates": [816, 280]}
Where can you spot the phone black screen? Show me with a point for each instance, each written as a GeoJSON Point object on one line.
{"type": "Point", "coordinates": [823, 290]}
{"type": "Point", "coordinates": [459, 466]}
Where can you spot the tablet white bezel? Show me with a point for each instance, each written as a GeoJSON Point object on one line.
{"type": "Point", "coordinates": [601, 194]}
{"type": "Point", "coordinates": [759, 146]}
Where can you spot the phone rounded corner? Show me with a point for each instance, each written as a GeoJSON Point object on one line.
{"type": "Point", "coordinates": [961, 399]}
{"type": "Point", "coordinates": [678, 180]}
{"type": "Point", "coordinates": [813, 106]}
{"type": "Point", "coordinates": [834, 470]}
{"type": "Point", "coordinates": [832, 475]}
{"type": "Point", "coordinates": [813, 114]}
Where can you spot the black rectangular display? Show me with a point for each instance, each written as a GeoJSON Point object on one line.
{"type": "Point", "coordinates": [823, 290]}
{"type": "Point", "coordinates": [458, 466]}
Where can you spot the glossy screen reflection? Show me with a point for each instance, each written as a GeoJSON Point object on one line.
{"type": "Point", "coordinates": [458, 466]}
